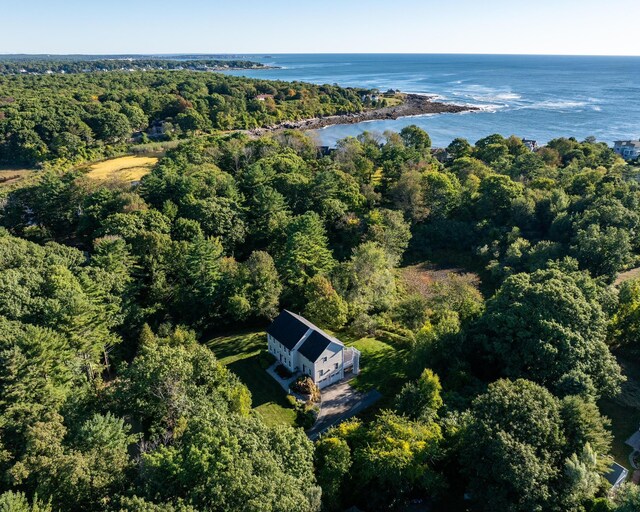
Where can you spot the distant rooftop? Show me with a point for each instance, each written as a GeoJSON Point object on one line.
{"type": "Point", "coordinates": [616, 474]}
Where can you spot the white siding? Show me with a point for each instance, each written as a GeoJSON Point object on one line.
{"type": "Point", "coordinates": [306, 366]}
{"type": "Point", "coordinates": [328, 368]}
{"type": "Point", "coordinates": [281, 353]}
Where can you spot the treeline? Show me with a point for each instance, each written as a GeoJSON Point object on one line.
{"type": "Point", "coordinates": [108, 401]}
{"type": "Point", "coordinates": [54, 65]}
{"type": "Point", "coordinates": [66, 119]}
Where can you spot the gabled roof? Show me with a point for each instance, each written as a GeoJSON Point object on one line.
{"type": "Point", "coordinates": [315, 345]}
{"type": "Point", "coordinates": [288, 328]}
{"type": "Point", "coordinates": [634, 143]}
{"type": "Point", "coordinates": [616, 474]}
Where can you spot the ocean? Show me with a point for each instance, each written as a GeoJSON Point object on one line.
{"type": "Point", "coordinates": [534, 97]}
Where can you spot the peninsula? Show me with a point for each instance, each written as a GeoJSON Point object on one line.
{"type": "Point", "coordinates": [410, 105]}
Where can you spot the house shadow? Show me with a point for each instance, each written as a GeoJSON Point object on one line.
{"type": "Point", "coordinates": [262, 386]}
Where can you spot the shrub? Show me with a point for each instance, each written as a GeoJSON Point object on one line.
{"type": "Point", "coordinates": [402, 340]}
{"type": "Point", "coordinates": [283, 372]}
{"type": "Point", "coordinates": [266, 359]}
{"type": "Point", "coordinates": [306, 418]}
{"type": "Point", "coordinates": [305, 386]}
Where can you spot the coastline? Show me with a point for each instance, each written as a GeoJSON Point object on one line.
{"type": "Point", "coordinates": [413, 105]}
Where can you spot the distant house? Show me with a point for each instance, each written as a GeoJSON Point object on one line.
{"type": "Point", "coordinates": [326, 150]}
{"type": "Point", "coordinates": [263, 97]}
{"type": "Point", "coordinates": [627, 149]}
{"type": "Point", "coordinates": [370, 97]}
{"type": "Point", "coordinates": [616, 475]}
{"type": "Point", "coordinates": [158, 128]}
{"type": "Point", "coordinates": [304, 348]}
{"type": "Point", "coordinates": [531, 144]}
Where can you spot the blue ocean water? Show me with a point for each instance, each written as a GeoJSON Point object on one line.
{"type": "Point", "coordinates": [535, 97]}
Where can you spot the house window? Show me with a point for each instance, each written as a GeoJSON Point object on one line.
{"type": "Point", "coordinates": [324, 359]}
{"type": "Point", "coordinates": [335, 367]}
{"type": "Point", "coordinates": [321, 373]}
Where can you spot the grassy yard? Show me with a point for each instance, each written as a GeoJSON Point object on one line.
{"type": "Point", "coordinates": [382, 366]}
{"type": "Point", "coordinates": [239, 352]}
{"type": "Point", "coordinates": [127, 168]}
{"type": "Point", "coordinates": [624, 422]}
{"type": "Point", "coordinates": [393, 101]}
{"type": "Point", "coordinates": [624, 410]}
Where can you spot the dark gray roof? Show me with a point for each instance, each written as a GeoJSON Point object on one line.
{"type": "Point", "coordinates": [616, 473]}
{"type": "Point", "coordinates": [315, 344]}
{"type": "Point", "coordinates": [288, 328]}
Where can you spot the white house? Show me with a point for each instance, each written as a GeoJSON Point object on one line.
{"type": "Point", "coordinates": [306, 349]}
{"type": "Point", "coordinates": [627, 149]}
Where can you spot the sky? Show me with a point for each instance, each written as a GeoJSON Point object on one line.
{"type": "Point", "coordinates": [569, 27]}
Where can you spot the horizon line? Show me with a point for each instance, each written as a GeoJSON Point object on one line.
{"type": "Point", "coordinates": [266, 53]}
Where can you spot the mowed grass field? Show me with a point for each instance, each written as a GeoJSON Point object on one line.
{"type": "Point", "coordinates": [381, 367]}
{"type": "Point", "coordinates": [240, 353]}
{"type": "Point", "coordinates": [125, 168]}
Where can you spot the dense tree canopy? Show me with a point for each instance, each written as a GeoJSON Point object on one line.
{"type": "Point", "coordinates": [550, 327]}
{"type": "Point", "coordinates": [515, 449]}
{"type": "Point", "coordinates": [86, 115]}
{"type": "Point", "coordinates": [109, 400]}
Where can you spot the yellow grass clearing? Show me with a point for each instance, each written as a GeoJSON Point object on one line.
{"type": "Point", "coordinates": [393, 101]}
{"type": "Point", "coordinates": [12, 176]}
{"type": "Point", "coordinates": [634, 273]}
{"type": "Point", "coordinates": [127, 168]}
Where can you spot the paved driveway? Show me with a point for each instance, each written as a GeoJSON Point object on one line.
{"type": "Point", "coordinates": [338, 403]}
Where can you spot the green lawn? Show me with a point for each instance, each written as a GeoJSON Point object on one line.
{"type": "Point", "coordinates": [624, 410]}
{"type": "Point", "coordinates": [624, 422]}
{"type": "Point", "coordinates": [381, 367]}
{"type": "Point", "coordinates": [239, 352]}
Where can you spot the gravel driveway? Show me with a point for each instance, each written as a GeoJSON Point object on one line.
{"type": "Point", "coordinates": [338, 403]}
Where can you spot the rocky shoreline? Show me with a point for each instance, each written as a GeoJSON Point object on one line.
{"type": "Point", "coordinates": [413, 105]}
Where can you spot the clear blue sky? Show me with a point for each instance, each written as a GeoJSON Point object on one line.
{"type": "Point", "coordinates": [591, 27]}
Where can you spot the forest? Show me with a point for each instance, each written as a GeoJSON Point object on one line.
{"type": "Point", "coordinates": [39, 66]}
{"type": "Point", "coordinates": [110, 401]}
{"type": "Point", "coordinates": [65, 119]}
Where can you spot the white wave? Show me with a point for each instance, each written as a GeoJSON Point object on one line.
{"type": "Point", "coordinates": [503, 96]}
{"type": "Point", "coordinates": [556, 105]}
{"type": "Point", "coordinates": [491, 107]}
{"type": "Point", "coordinates": [487, 95]}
